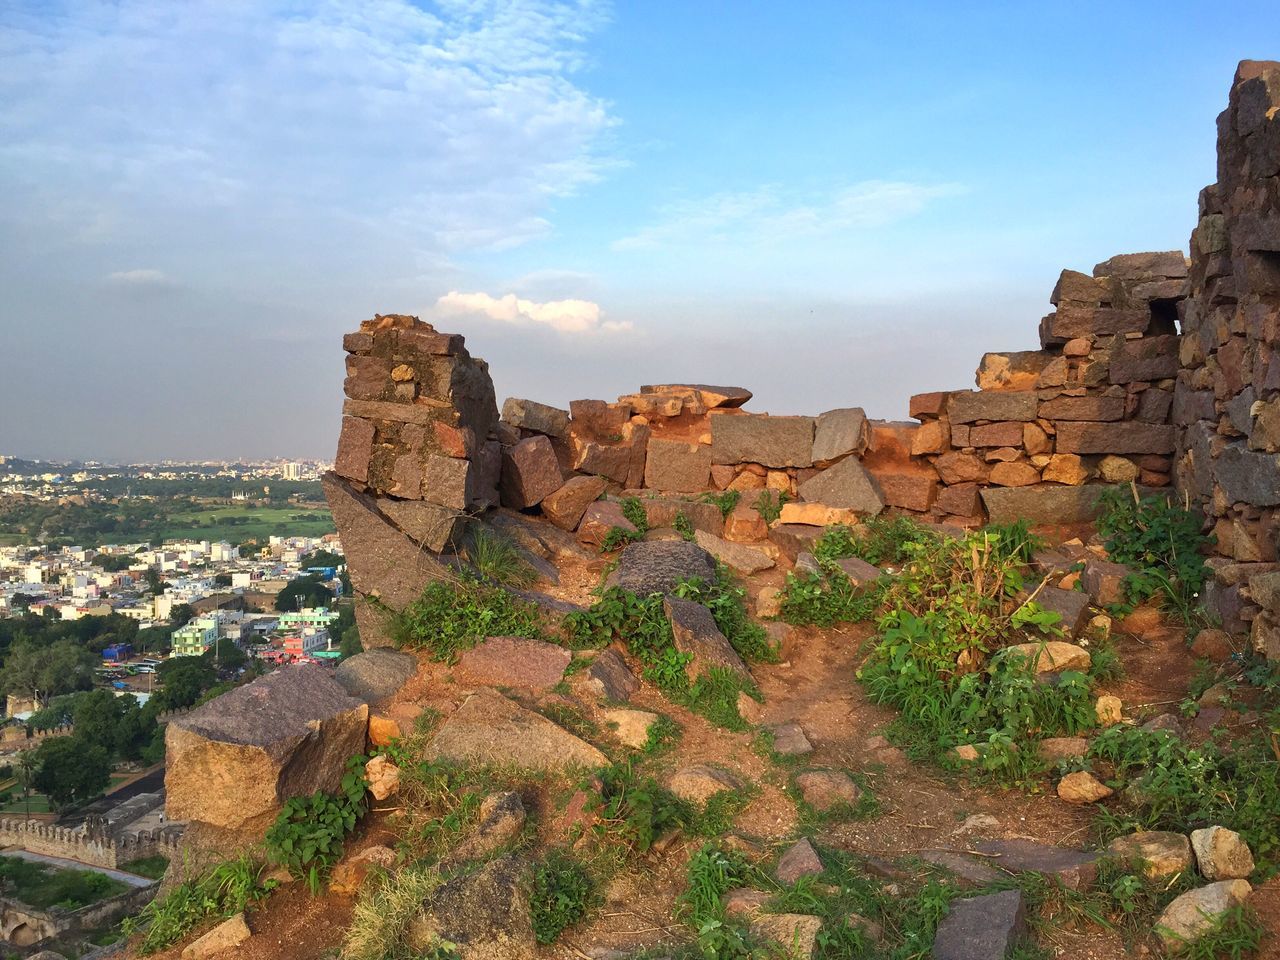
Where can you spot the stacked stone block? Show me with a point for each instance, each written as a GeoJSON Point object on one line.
{"type": "Point", "coordinates": [1226, 405]}
{"type": "Point", "coordinates": [1090, 407]}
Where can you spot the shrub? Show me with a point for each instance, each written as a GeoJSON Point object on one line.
{"type": "Point", "coordinates": [1161, 541]}
{"type": "Point", "coordinates": [635, 811]}
{"type": "Point", "coordinates": [308, 833]}
{"type": "Point", "coordinates": [726, 500]}
{"type": "Point", "coordinates": [769, 505]}
{"type": "Point", "coordinates": [563, 892]}
{"type": "Point", "coordinates": [451, 617]}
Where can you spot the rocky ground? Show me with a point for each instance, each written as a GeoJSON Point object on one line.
{"type": "Point", "coordinates": [812, 784]}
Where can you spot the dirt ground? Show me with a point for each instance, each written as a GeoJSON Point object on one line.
{"type": "Point", "coordinates": [920, 808]}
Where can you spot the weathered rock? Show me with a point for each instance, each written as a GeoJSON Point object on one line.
{"type": "Point", "coordinates": [530, 472]}
{"type": "Point", "coordinates": [662, 512]}
{"type": "Point", "coordinates": [383, 777]}
{"type": "Point", "coordinates": [1103, 581]}
{"type": "Point", "coordinates": [969, 869]}
{"type": "Point", "coordinates": [349, 876]}
{"type": "Point", "coordinates": [760, 438]}
{"type": "Point", "coordinates": [1017, 370]}
{"type": "Point", "coordinates": [846, 485]}
{"type": "Point", "coordinates": [1222, 854]}
{"type": "Point", "coordinates": [793, 539]}
{"type": "Point", "coordinates": [737, 556]}
{"type": "Point", "coordinates": [800, 860]}
{"type": "Point", "coordinates": [502, 817]}
{"type": "Point", "coordinates": [744, 902]}
{"type": "Point", "coordinates": [1071, 605]}
{"type": "Point", "coordinates": [1082, 787]}
{"type": "Point", "coordinates": [513, 662]}
{"type": "Point", "coordinates": [1124, 437]}
{"type": "Point", "coordinates": [536, 417]}
{"type": "Point", "coordinates": [489, 728]}
{"type": "Point", "coordinates": [1051, 656]}
{"type": "Point", "coordinates": [1053, 749]}
{"type": "Point", "coordinates": [789, 740]}
{"type": "Point", "coordinates": [695, 632]}
{"type": "Point", "coordinates": [1066, 468]}
{"type": "Point", "coordinates": [824, 789]}
{"type": "Point", "coordinates": [387, 569]}
{"type": "Point", "coordinates": [228, 935]}
{"type": "Point", "coordinates": [968, 406]}
{"type": "Point", "coordinates": [1074, 868]}
{"type": "Point", "coordinates": [1108, 708]}
{"type": "Point", "coordinates": [981, 928]}
{"type": "Point", "coordinates": [700, 783]}
{"type": "Point", "coordinates": [609, 678]}
{"type": "Point", "coordinates": [565, 506]}
{"type": "Point", "coordinates": [817, 514]}
{"type": "Point", "coordinates": [1116, 469]}
{"type": "Point", "coordinates": [1042, 503]}
{"type": "Point", "coordinates": [239, 757]}
{"type": "Point", "coordinates": [630, 727]}
{"type": "Point", "coordinates": [1015, 474]}
{"type": "Point", "coordinates": [658, 567]}
{"type": "Point", "coordinates": [376, 675]}
{"type": "Point", "coordinates": [712, 397]}
{"type": "Point", "coordinates": [839, 433]}
{"type": "Point", "coordinates": [428, 525]}
{"type": "Point", "coordinates": [1160, 853]}
{"type": "Point", "coordinates": [1198, 912]}
{"type": "Point", "coordinates": [484, 914]}
{"type": "Point", "coordinates": [677, 466]}
{"type": "Point", "coordinates": [796, 934]}
{"type": "Point", "coordinates": [858, 571]}
{"type": "Point", "coordinates": [598, 519]}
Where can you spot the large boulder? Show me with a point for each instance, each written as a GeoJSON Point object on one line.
{"type": "Point", "coordinates": [677, 466]}
{"type": "Point", "coordinates": [569, 502]}
{"type": "Point", "coordinates": [513, 662]}
{"type": "Point", "coordinates": [376, 674]}
{"type": "Point", "coordinates": [759, 438]}
{"type": "Point", "coordinates": [488, 728]}
{"type": "Point", "coordinates": [239, 757]}
{"type": "Point", "coordinates": [839, 433]}
{"type": "Point", "coordinates": [536, 417]}
{"type": "Point", "coordinates": [1197, 912]}
{"type": "Point", "coordinates": [484, 915]}
{"type": "Point", "coordinates": [847, 485]}
{"type": "Point", "coordinates": [658, 566]}
{"type": "Point", "coordinates": [530, 473]}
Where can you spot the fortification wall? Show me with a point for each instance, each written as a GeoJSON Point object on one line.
{"type": "Point", "coordinates": [87, 846]}
{"type": "Point", "coordinates": [1227, 400]}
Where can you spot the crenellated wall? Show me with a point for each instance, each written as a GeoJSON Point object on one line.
{"type": "Point", "coordinates": [96, 848]}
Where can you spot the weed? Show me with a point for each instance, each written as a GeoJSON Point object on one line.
{"type": "Point", "coordinates": [563, 892]}
{"type": "Point", "coordinates": [1163, 544]}
{"type": "Point", "coordinates": [307, 835]}
{"type": "Point", "coordinates": [616, 538]}
{"type": "Point", "coordinates": [386, 907]}
{"type": "Point", "coordinates": [824, 600]}
{"type": "Point", "coordinates": [451, 617]}
{"type": "Point", "coordinates": [864, 808]}
{"type": "Point", "coordinates": [664, 734]}
{"type": "Point", "coordinates": [769, 505]}
{"type": "Point", "coordinates": [221, 891]}
{"type": "Point", "coordinates": [684, 527]}
{"type": "Point", "coordinates": [635, 811]}
{"type": "Point", "coordinates": [498, 559]}
{"type": "Point", "coordinates": [726, 601]}
{"type": "Point", "coordinates": [712, 873]}
{"type": "Point", "coordinates": [633, 510]}
{"type": "Point", "coordinates": [726, 500]}
{"type": "Point", "coordinates": [1015, 541]}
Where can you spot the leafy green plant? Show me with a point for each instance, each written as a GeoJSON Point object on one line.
{"type": "Point", "coordinates": [563, 892]}
{"type": "Point", "coordinates": [221, 891]}
{"type": "Point", "coordinates": [635, 811]}
{"type": "Point", "coordinates": [825, 599]}
{"type": "Point", "coordinates": [451, 617]}
{"type": "Point", "coordinates": [616, 538]}
{"type": "Point", "coordinates": [308, 833]}
{"type": "Point", "coordinates": [770, 503]}
{"type": "Point", "coordinates": [713, 872]}
{"type": "Point", "coordinates": [684, 526]}
{"type": "Point", "coordinates": [498, 559]}
{"type": "Point", "coordinates": [726, 500]}
{"type": "Point", "coordinates": [633, 510]}
{"type": "Point", "coordinates": [1161, 541]}
{"type": "Point", "coordinates": [727, 603]}
{"type": "Point", "coordinates": [1014, 541]}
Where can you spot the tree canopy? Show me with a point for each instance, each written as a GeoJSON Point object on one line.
{"type": "Point", "coordinates": [305, 591]}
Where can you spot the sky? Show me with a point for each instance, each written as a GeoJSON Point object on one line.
{"type": "Point", "coordinates": [831, 204]}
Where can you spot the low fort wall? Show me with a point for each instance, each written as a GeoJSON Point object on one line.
{"type": "Point", "coordinates": [87, 846]}
{"type": "Point", "coordinates": [1155, 369]}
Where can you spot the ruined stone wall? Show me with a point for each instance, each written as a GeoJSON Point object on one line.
{"type": "Point", "coordinates": [87, 846]}
{"type": "Point", "coordinates": [1227, 400]}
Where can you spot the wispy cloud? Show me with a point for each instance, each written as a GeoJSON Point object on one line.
{"type": "Point", "coordinates": [564, 316]}
{"type": "Point", "coordinates": [771, 214]}
{"type": "Point", "coordinates": [140, 278]}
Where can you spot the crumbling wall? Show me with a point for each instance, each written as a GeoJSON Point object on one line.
{"type": "Point", "coordinates": [1227, 399]}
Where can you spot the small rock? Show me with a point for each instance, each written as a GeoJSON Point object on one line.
{"type": "Point", "coordinates": [1052, 656]}
{"type": "Point", "coordinates": [1197, 912]}
{"type": "Point", "coordinates": [609, 678]}
{"type": "Point", "coordinates": [376, 674]}
{"type": "Point", "coordinates": [966, 752]}
{"type": "Point", "coordinates": [1108, 710]}
{"type": "Point", "coordinates": [383, 731]}
{"type": "Point", "coordinates": [968, 869]}
{"type": "Point", "coordinates": [795, 933]}
{"type": "Point", "coordinates": [743, 559]}
{"type": "Point", "coordinates": [700, 783]}
{"type": "Point", "coordinates": [977, 823]}
{"type": "Point", "coordinates": [824, 789]}
{"type": "Point", "coordinates": [225, 936]}
{"type": "Point", "coordinates": [748, 848]}
{"type": "Point", "coordinates": [630, 727]}
{"type": "Point", "coordinates": [749, 708]}
{"type": "Point", "coordinates": [1222, 854]}
{"type": "Point", "coordinates": [800, 860]}
{"type": "Point", "coordinates": [1141, 621]}
{"type": "Point", "coordinates": [657, 567]}
{"type": "Point", "coordinates": [349, 876]}
{"type": "Point", "coordinates": [768, 602]}
{"type": "Point", "coordinates": [1082, 787]}
{"type": "Point", "coordinates": [981, 928]}
{"type": "Point", "coordinates": [1053, 749]}
{"type": "Point", "coordinates": [1213, 644]}
{"type": "Point", "coordinates": [870, 929]}
{"type": "Point", "coordinates": [1218, 695]}
{"type": "Point", "coordinates": [744, 902]}
{"type": "Point", "coordinates": [1074, 868]}
{"type": "Point", "coordinates": [1161, 852]}
{"type": "Point", "coordinates": [502, 817]}
{"type": "Point", "coordinates": [789, 740]}
{"type": "Point", "coordinates": [383, 777]}
{"type": "Point", "coordinates": [1099, 627]}
{"type": "Point", "coordinates": [1166, 723]}
{"type": "Point", "coordinates": [694, 630]}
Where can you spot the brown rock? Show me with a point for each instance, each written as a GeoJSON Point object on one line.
{"type": "Point", "coordinates": [1083, 408]}
{"type": "Point", "coordinates": [696, 634]}
{"type": "Point", "coordinates": [1108, 710]}
{"type": "Point", "coordinates": [824, 789]}
{"type": "Point", "coordinates": [228, 935]}
{"type": "Point", "coordinates": [355, 449]}
{"type": "Point", "coordinates": [1035, 439]}
{"type": "Point", "coordinates": [968, 406]}
{"type": "Point", "coordinates": [383, 777]}
{"type": "Point", "coordinates": [536, 417]}
{"type": "Point", "coordinates": [1159, 852]}
{"type": "Point", "coordinates": [957, 467]}
{"type": "Point", "coordinates": [737, 556]}
{"type": "Point", "coordinates": [1198, 912]}
{"type": "Point", "coordinates": [934, 436]}
{"type": "Point", "coordinates": [1006, 434]}
{"type": "Point", "coordinates": [911, 490]}
{"type": "Point", "coordinates": [1051, 656]}
{"type": "Point", "coordinates": [598, 519]}
{"type": "Point", "coordinates": [712, 397]}
{"type": "Point", "coordinates": [1221, 854]}
{"type": "Point", "coordinates": [1066, 468]}
{"type": "Point", "coordinates": [609, 678]}
{"type": "Point", "coordinates": [1082, 787]}
{"type": "Point", "coordinates": [847, 485]}
{"type": "Point", "coordinates": [960, 499]}
{"type": "Point", "coordinates": [349, 876]}
{"type": "Point", "coordinates": [677, 466]}
{"type": "Point", "coordinates": [1053, 749]}
{"type": "Point", "coordinates": [630, 727]}
{"type": "Point", "coordinates": [565, 506]}
{"type": "Point", "coordinates": [698, 784]}
{"type": "Point", "coordinates": [800, 860]}
{"type": "Point", "coordinates": [1014, 475]}
{"type": "Point", "coordinates": [924, 405]}
{"type": "Point", "coordinates": [530, 472]}
{"type": "Point", "coordinates": [513, 662]}
{"type": "Point", "coordinates": [1118, 469]}
{"type": "Point", "coordinates": [760, 438]}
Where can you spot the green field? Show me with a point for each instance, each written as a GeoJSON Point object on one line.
{"type": "Point", "coordinates": [237, 524]}
{"type": "Point", "coordinates": [42, 885]}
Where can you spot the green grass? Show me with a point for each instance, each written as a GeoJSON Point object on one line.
{"type": "Point", "coordinates": [42, 885]}
{"type": "Point", "coordinates": [239, 523]}
{"type": "Point", "coordinates": [39, 804]}
{"type": "Point", "coordinates": [452, 617]}
{"type": "Point", "coordinates": [151, 867]}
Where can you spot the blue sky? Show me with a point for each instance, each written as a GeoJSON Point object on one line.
{"type": "Point", "coordinates": [830, 203]}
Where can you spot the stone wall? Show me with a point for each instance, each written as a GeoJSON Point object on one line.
{"type": "Point", "coordinates": [22, 925]}
{"type": "Point", "coordinates": [1227, 400]}
{"type": "Point", "coordinates": [87, 846]}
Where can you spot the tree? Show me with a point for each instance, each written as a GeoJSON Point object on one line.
{"type": "Point", "coordinates": [112, 563]}
{"type": "Point", "coordinates": [323, 558]}
{"type": "Point", "coordinates": [154, 582]}
{"type": "Point", "coordinates": [153, 639]}
{"type": "Point", "coordinates": [71, 770]}
{"type": "Point", "coordinates": [181, 614]}
{"type": "Point", "coordinates": [222, 579]}
{"type": "Point", "coordinates": [117, 724]}
{"type": "Point", "coordinates": [63, 667]}
{"type": "Point", "coordinates": [307, 591]}
{"type": "Point", "coordinates": [184, 679]}
{"type": "Point", "coordinates": [350, 644]}
{"type": "Point", "coordinates": [225, 655]}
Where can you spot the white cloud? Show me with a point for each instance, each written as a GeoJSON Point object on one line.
{"type": "Point", "coordinates": [565, 316]}
{"type": "Point", "coordinates": [769, 214]}
{"type": "Point", "coordinates": [140, 278]}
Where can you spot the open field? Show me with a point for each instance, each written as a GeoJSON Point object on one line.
{"type": "Point", "coordinates": [239, 523]}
